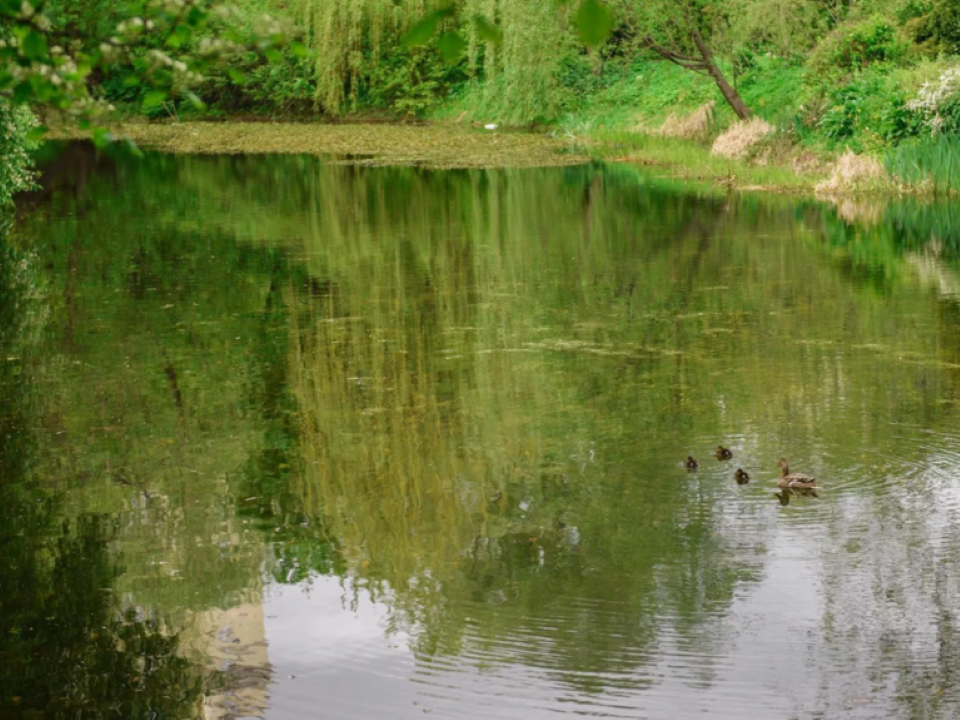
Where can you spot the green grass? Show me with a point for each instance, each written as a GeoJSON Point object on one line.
{"type": "Point", "coordinates": [693, 161]}
{"type": "Point", "coordinates": [932, 163]}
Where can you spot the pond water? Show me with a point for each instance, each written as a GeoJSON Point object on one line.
{"type": "Point", "coordinates": [287, 438]}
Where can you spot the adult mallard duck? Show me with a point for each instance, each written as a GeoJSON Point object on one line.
{"type": "Point", "coordinates": [794, 480]}
{"type": "Point", "coordinates": [786, 493]}
{"type": "Point", "coordinates": [690, 463]}
{"type": "Point", "coordinates": [741, 476]}
{"type": "Point", "coordinates": [723, 453]}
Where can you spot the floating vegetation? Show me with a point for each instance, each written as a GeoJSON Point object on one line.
{"type": "Point", "coordinates": [432, 146]}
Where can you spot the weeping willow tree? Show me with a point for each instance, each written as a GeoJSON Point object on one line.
{"type": "Point", "coordinates": [521, 74]}
{"type": "Point", "coordinates": [348, 34]}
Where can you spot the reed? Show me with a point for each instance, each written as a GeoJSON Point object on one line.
{"type": "Point", "coordinates": [931, 163]}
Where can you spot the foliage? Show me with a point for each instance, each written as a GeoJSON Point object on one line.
{"type": "Point", "coordinates": [284, 85]}
{"type": "Point", "coordinates": [850, 112]}
{"type": "Point", "coordinates": [164, 48]}
{"type": "Point", "coordinates": [16, 125]}
{"type": "Point", "coordinates": [938, 104]}
{"type": "Point", "coordinates": [932, 162]}
{"type": "Point", "coordinates": [785, 27]}
{"type": "Point", "coordinates": [409, 81]}
{"type": "Point", "coordinates": [933, 24]}
{"type": "Point", "coordinates": [854, 47]}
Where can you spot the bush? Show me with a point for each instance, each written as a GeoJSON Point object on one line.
{"type": "Point", "coordinates": [934, 25]}
{"type": "Point", "coordinates": [16, 175]}
{"type": "Point", "coordinates": [871, 111]}
{"type": "Point", "coordinates": [287, 85]}
{"type": "Point", "coordinates": [410, 81]}
{"type": "Point", "coordinates": [854, 47]}
{"type": "Point", "coordinates": [939, 104]}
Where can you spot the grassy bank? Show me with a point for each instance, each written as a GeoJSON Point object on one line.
{"type": "Point", "coordinates": [451, 146]}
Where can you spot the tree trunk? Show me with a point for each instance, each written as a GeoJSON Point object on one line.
{"type": "Point", "coordinates": [729, 93]}
{"type": "Point", "coordinates": [705, 63]}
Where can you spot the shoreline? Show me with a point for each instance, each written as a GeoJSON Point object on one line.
{"type": "Point", "coordinates": [451, 146]}
{"type": "Point", "coordinates": [434, 146]}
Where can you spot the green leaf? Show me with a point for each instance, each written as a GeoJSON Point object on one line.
{"type": "Point", "coordinates": [153, 101]}
{"type": "Point", "coordinates": [131, 147]}
{"type": "Point", "coordinates": [36, 134]}
{"type": "Point", "coordinates": [299, 50]}
{"type": "Point", "coordinates": [102, 137]}
{"type": "Point", "coordinates": [34, 46]}
{"type": "Point", "coordinates": [195, 100]}
{"type": "Point", "coordinates": [10, 8]}
{"type": "Point", "coordinates": [236, 76]}
{"type": "Point", "coordinates": [131, 81]}
{"type": "Point", "coordinates": [594, 22]}
{"type": "Point", "coordinates": [487, 31]}
{"type": "Point", "coordinates": [421, 32]}
{"type": "Point", "coordinates": [273, 55]}
{"type": "Point", "coordinates": [23, 92]}
{"type": "Point", "coordinates": [451, 46]}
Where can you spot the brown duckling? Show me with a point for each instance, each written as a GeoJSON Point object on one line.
{"type": "Point", "coordinates": [794, 480]}
{"type": "Point", "coordinates": [690, 463]}
{"type": "Point", "coordinates": [741, 476]}
{"type": "Point", "coordinates": [723, 453]}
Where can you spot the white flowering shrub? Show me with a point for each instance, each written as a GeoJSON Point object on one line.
{"type": "Point", "coordinates": [16, 168]}
{"type": "Point", "coordinates": [164, 49]}
{"type": "Point", "coordinates": [938, 104]}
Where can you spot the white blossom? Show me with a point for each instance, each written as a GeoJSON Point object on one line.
{"type": "Point", "coordinates": [933, 98]}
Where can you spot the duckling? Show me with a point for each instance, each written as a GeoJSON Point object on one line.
{"type": "Point", "coordinates": [794, 480]}
{"type": "Point", "coordinates": [690, 463]}
{"type": "Point", "coordinates": [723, 453]}
{"type": "Point", "coordinates": [741, 476]}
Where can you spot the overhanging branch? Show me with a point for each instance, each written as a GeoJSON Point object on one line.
{"type": "Point", "coordinates": [687, 62]}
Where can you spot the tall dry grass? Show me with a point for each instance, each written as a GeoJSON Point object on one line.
{"type": "Point", "coordinates": [737, 142]}
{"type": "Point", "coordinates": [697, 126]}
{"type": "Point", "coordinates": [852, 172]}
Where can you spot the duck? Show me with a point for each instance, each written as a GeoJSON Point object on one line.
{"type": "Point", "coordinates": [741, 476]}
{"type": "Point", "coordinates": [723, 453]}
{"type": "Point", "coordinates": [788, 492]}
{"type": "Point", "coordinates": [794, 480]}
{"type": "Point", "coordinates": [690, 463]}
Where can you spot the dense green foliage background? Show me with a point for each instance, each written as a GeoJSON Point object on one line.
{"type": "Point", "coordinates": [868, 75]}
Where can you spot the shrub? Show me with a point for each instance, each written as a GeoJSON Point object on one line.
{"type": "Point", "coordinates": [854, 47]}
{"type": "Point", "coordinates": [286, 85]}
{"type": "Point", "coordinates": [410, 81]}
{"type": "Point", "coordinates": [939, 103]}
{"type": "Point", "coordinates": [16, 175]}
{"type": "Point", "coordinates": [870, 111]}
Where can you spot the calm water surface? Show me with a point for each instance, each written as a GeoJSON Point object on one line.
{"type": "Point", "coordinates": [284, 438]}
